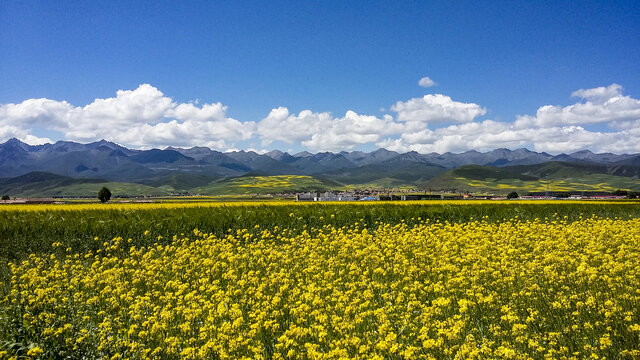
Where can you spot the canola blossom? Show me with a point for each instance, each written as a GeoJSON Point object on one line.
{"type": "Point", "coordinates": [431, 290]}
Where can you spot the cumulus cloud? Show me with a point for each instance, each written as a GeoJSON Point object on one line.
{"type": "Point", "coordinates": [12, 131]}
{"type": "Point", "coordinates": [322, 132]}
{"type": "Point", "coordinates": [351, 130]}
{"type": "Point", "coordinates": [602, 105]}
{"type": "Point", "coordinates": [600, 94]}
{"type": "Point", "coordinates": [45, 112]}
{"type": "Point", "coordinates": [436, 108]}
{"type": "Point", "coordinates": [143, 117]}
{"type": "Point", "coordinates": [426, 82]}
{"type": "Point", "coordinates": [279, 125]}
{"type": "Point", "coordinates": [554, 129]}
{"type": "Point", "coordinates": [489, 135]}
{"type": "Point", "coordinates": [485, 135]}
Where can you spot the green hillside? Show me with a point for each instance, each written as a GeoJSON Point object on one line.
{"type": "Point", "coordinates": [477, 172]}
{"type": "Point", "coordinates": [387, 174]}
{"type": "Point", "coordinates": [180, 181]}
{"type": "Point", "coordinates": [265, 185]}
{"type": "Point", "coordinates": [42, 184]}
{"type": "Point", "coordinates": [559, 170]}
{"type": "Point", "coordinates": [553, 176]}
{"type": "Point", "coordinates": [117, 189]}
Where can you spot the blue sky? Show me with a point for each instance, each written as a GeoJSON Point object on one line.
{"type": "Point", "coordinates": [351, 60]}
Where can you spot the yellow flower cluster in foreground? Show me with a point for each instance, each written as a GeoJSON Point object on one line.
{"type": "Point", "coordinates": [511, 290]}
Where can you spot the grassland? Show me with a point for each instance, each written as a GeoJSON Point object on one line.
{"type": "Point", "coordinates": [551, 176]}
{"type": "Point", "coordinates": [586, 183]}
{"type": "Point", "coordinates": [265, 185]}
{"type": "Point", "coordinates": [560, 177]}
{"type": "Point", "coordinates": [45, 184]}
{"type": "Point", "coordinates": [67, 187]}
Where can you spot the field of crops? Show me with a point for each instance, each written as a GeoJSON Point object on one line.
{"type": "Point", "coordinates": [427, 280]}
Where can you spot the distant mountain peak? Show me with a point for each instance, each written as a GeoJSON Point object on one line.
{"type": "Point", "coordinates": [276, 154]}
{"type": "Point", "coordinates": [200, 148]}
{"type": "Point", "coordinates": [14, 144]}
{"type": "Point", "coordinates": [14, 141]}
{"type": "Point", "coordinates": [303, 154]}
{"type": "Point", "coordinates": [582, 152]}
{"type": "Point", "coordinates": [382, 150]}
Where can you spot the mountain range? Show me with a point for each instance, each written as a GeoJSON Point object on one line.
{"type": "Point", "coordinates": [183, 169]}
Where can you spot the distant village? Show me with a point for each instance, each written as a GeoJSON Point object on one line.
{"type": "Point", "coordinates": [381, 196]}
{"type": "Point", "coordinates": [366, 195]}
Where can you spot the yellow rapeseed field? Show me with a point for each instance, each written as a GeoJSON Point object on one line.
{"type": "Point", "coordinates": [474, 290]}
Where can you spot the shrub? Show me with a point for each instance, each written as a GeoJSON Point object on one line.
{"type": "Point", "coordinates": [513, 195]}
{"type": "Point", "coordinates": [104, 194]}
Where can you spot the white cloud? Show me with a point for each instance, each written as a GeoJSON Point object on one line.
{"type": "Point", "coordinates": [602, 105]}
{"type": "Point", "coordinates": [488, 135]}
{"type": "Point", "coordinates": [554, 129]}
{"type": "Point", "coordinates": [11, 131]}
{"type": "Point", "coordinates": [34, 140]}
{"type": "Point", "coordinates": [436, 108]}
{"type": "Point", "coordinates": [207, 112]}
{"type": "Point", "coordinates": [351, 130]}
{"type": "Point", "coordinates": [279, 125]}
{"type": "Point", "coordinates": [426, 82]}
{"type": "Point", "coordinates": [482, 136]}
{"type": "Point", "coordinates": [565, 139]}
{"type": "Point", "coordinates": [600, 94]}
{"type": "Point", "coordinates": [322, 132]}
{"type": "Point", "coordinates": [45, 112]}
{"type": "Point", "coordinates": [143, 117]}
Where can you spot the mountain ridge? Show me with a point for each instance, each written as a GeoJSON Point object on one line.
{"type": "Point", "coordinates": [173, 165]}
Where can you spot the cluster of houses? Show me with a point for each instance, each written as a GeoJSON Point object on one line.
{"type": "Point", "coordinates": [367, 196]}
{"type": "Point", "coordinates": [371, 196]}
{"type": "Point", "coordinates": [375, 196]}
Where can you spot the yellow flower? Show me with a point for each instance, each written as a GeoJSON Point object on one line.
{"type": "Point", "coordinates": [34, 352]}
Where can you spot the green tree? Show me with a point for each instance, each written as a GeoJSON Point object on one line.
{"type": "Point", "coordinates": [5, 197]}
{"type": "Point", "coordinates": [104, 194]}
{"type": "Point", "coordinates": [513, 195]}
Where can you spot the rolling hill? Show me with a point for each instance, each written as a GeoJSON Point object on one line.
{"type": "Point", "coordinates": [549, 176]}
{"type": "Point", "coordinates": [266, 185]}
{"type": "Point", "coordinates": [42, 184]}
